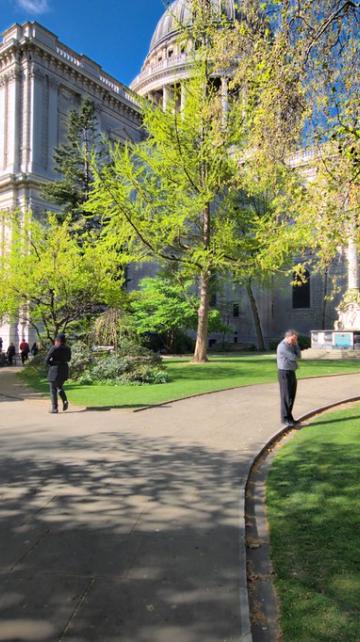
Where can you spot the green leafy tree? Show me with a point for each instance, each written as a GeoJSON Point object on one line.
{"type": "Point", "coordinates": [324, 41]}
{"type": "Point", "coordinates": [171, 197]}
{"type": "Point", "coordinates": [72, 162]}
{"type": "Point", "coordinates": [50, 281]}
{"type": "Point", "coordinates": [168, 307]}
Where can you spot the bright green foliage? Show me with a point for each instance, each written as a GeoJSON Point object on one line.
{"type": "Point", "coordinates": [162, 306]}
{"type": "Point", "coordinates": [324, 47]}
{"type": "Point", "coordinates": [165, 306]}
{"type": "Point", "coordinates": [313, 491]}
{"type": "Point", "coordinates": [49, 279]}
{"type": "Point", "coordinates": [72, 162]}
{"type": "Point", "coordinates": [174, 196]}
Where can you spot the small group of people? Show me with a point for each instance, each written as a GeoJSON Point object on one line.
{"type": "Point", "coordinates": [24, 351]}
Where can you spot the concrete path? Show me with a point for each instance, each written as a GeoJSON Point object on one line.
{"type": "Point", "coordinates": [128, 527]}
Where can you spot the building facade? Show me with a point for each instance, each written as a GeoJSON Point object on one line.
{"type": "Point", "coordinates": [41, 79]}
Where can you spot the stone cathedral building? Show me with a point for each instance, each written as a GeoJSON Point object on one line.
{"type": "Point", "coordinates": [41, 79]}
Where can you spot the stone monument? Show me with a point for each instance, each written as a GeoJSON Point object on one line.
{"type": "Point", "coordinates": [344, 340]}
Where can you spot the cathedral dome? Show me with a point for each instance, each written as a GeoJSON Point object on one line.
{"type": "Point", "coordinates": [169, 61]}
{"type": "Point", "coordinates": [179, 13]}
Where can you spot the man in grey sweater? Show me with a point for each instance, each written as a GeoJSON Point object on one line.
{"type": "Point", "coordinates": [288, 353]}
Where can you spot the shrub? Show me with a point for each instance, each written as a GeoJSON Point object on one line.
{"type": "Point", "coordinates": [109, 367]}
{"type": "Point", "coordinates": [274, 344]}
{"type": "Point", "coordinates": [117, 368]}
{"type": "Point", "coordinates": [81, 359]}
{"type": "Point", "coordinates": [304, 342]}
{"type": "Point", "coordinates": [130, 348]}
{"type": "Point", "coordinates": [145, 374]}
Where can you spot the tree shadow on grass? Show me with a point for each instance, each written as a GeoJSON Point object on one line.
{"type": "Point", "coordinates": [118, 537]}
{"type": "Point", "coordinates": [313, 494]}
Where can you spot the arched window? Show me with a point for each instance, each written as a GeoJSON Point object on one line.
{"type": "Point", "coordinates": [301, 293]}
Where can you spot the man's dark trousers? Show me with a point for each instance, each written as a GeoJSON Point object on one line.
{"type": "Point", "coordinates": [288, 385]}
{"type": "Point", "coordinates": [55, 389]}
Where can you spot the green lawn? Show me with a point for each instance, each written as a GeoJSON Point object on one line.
{"type": "Point", "coordinates": [187, 379]}
{"type": "Point", "coordinates": [313, 501]}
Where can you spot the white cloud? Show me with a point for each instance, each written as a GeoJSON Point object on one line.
{"type": "Point", "coordinates": [34, 6]}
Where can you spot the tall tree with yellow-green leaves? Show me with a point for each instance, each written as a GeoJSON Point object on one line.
{"type": "Point", "coordinates": [182, 195]}
{"type": "Point", "coordinates": [51, 281]}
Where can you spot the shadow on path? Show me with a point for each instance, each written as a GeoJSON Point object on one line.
{"type": "Point", "coordinates": [118, 537]}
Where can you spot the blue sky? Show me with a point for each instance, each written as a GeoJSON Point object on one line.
{"type": "Point", "coordinates": [115, 33]}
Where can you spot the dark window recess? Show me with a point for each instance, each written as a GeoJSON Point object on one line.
{"type": "Point", "coordinates": [236, 310]}
{"type": "Point", "coordinates": [301, 293]}
{"type": "Point", "coordinates": [213, 300]}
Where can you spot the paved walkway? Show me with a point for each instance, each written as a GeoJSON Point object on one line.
{"type": "Point", "coordinates": [128, 527]}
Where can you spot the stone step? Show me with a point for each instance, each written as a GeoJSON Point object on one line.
{"type": "Point", "coordinates": [336, 353]}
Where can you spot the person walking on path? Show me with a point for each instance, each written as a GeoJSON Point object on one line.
{"type": "Point", "coordinates": [24, 351]}
{"type": "Point", "coordinates": [11, 353]}
{"type": "Point", "coordinates": [288, 353]}
{"type": "Point", "coordinates": [57, 361]}
{"type": "Point", "coordinates": [34, 349]}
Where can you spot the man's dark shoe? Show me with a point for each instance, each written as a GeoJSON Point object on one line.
{"type": "Point", "coordinates": [65, 405]}
{"type": "Point", "coordinates": [53, 411]}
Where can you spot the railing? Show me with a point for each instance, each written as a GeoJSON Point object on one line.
{"type": "Point", "coordinates": [96, 71]}
{"type": "Point", "coordinates": [158, 66]}
{"type": "Point", "coordinates": [69, 56]}
{"type": "Point", "coordinates": [118, 88]}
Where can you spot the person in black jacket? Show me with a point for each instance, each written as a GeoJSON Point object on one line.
{"type": "Point", "coordinates": [58, 362]}
{"type": "Point", "coordinates": [11, 353]}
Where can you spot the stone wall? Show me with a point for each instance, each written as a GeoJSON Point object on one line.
{"type": "Point", "coordinates": [41, 79]}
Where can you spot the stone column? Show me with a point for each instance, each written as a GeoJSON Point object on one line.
{"type": "Point", "coordinates": [224, 98]}
{"type": "Point", "coordinates": [53, 121]}
{"type": "Point", "coordinates": [13, 121]}
{"type": "Point", "coordinates": [3, 121]}
{"type": "Point", "coordinates": [183, 96]}
{"type": "Point", "coordinates": [26, 120]}
{"type": "Point", "coordinates": [166, 97]}
{"type": "Point", "coordinates": [38, 121]}
{"type": "Point", "coordinates": [353, 265]}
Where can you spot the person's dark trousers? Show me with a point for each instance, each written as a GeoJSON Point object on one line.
{"type": "Point", "coordinates": [10, 361]}
{"type": "Point", "coordinates": [55, 389]}
{"type": "Point", "coordinates": [24, 357]}
{"type": "Point", "coordinates": [288, 385]}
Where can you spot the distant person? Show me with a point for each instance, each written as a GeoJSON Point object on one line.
{"type": "Point", "coordinates": [34, 349]}
{"type": "Point", "coordinates": [11, 354]}
{"type": "Point", "coordinates": [58, 362]}
{"type": "Point", "coordinates": [24, 351]}
{"type": "Point", "coordinates": [1, 344]}
{"type": "Point", "coordinates": [288, 354]}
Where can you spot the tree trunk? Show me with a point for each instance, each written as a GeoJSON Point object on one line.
{"type": "Point", "coordinates": [201, 347]}
{"type": "Point", "coordinates": [256, 317]}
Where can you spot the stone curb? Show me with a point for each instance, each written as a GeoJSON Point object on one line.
{"type": "Point", "coordinates": [276, 438]}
